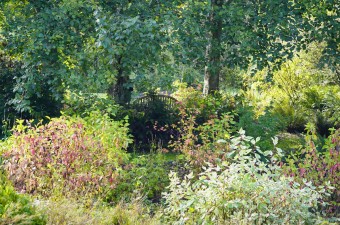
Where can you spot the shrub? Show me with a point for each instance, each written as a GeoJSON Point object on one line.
{"type": "Point", "coordinates": [69, 155]}
{"type": "Point", "coordinates": [300, 91]}
{"type": "Point", "coordinates": [244, 192]}
{"type": "Point", "coordinates": [217, 139]}
{"type": "Point", "coordinates": [321, 168]}
{"type": "Point", "coordinates": [146, 175]}
{"type": "Point", "coordinates": [199, 143]}
{"type": "Point", "coordinates": [322, 105]}
{"type": "Point", "coordinates": [264, 126]}
{"type": "Point", "coordinates": [193, 102]}
{"type": "Point", "coordinates": [290, 143]}
{"type": "Point", "coordinates": [16, 208]}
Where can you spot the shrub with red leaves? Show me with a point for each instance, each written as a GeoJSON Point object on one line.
{"type": "Point", "coordinates": [69, 154]}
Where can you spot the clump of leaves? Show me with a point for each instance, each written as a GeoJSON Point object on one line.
{"type": "Point", "coordinates": [192, 102]}
{"type": "Point", "coordinates": [202, 143]}
{"type": "Point", "coordinates": [16, 208]}
{"type": "Point", "coordinates": [321, 168]}
{"type": "Point", "coordinates": [145, 175]}
{"type": "Point", "coordinates": [85, 103]}
{"type": "Point", "coordinates": [67, 155]}
{"type": "Point", "coordinates": [246, 191]}
{"type": "Point", "coordinates": [265, 126]}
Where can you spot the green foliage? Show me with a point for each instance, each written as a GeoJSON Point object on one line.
{"type": "Point", "coordinates": [192, 102]}
{"type": "Point", "coordinates": [199, 143]}
{"type": "Point", "coordinates": [9, 68]}
{"type": "Point", "coordinates": [16, 208]}
{"type": "Point", "coordinates": [300, 92]}
{"type": "Point", "coordinates": [321, 168]}
{"type": "Point", "coordinates": [145, 175]}
{"type": "Point", "coordinates": [265, 126]}
{"type": "Point", "coordinates": [70, 211]}
{"type": "Point", "coordinates": [290, 142]}
{"type": "Point", "coordinates": [69, 155]}
{"type": "Point", "coordinates": [231, 79]}
{"type": "Point", "coordinates": [215, 140]}
{"type": "Point", "coordinates": [83, 104]}
{"type": "Point", "coordinates": [323, 105]}
{"type": "Point", "coordinates": [244, 192]}
{"type": "Point", "coordinates": [207, 120]}
{"type": "Point", "coordinates": [39, 35]}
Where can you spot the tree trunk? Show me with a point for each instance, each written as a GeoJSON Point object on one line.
{"type": "Point", "coordinates": [213, 53]}
{"type": "Point", "coordinates": [120, 91]}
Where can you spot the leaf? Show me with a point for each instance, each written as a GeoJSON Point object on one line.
{"type": "Point", "coordinates": [221, 141]}
{"type": "Point", "coordinates": [275, 140]}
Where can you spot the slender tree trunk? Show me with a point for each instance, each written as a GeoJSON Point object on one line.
{"type": "Point", "coordinates": [120, 91]}
{"type": "Point", "coordinates": [213, 51]}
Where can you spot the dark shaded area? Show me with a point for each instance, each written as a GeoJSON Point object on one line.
{"type": "Point", "coordinates": [13, 104]}
{"type": "Point", "coordinates": [150, 123]}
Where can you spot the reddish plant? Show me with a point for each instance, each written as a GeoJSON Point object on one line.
{"type": "Point", "coordinates": [321, 168]}
{"type": "Point", "coordinates": [60, 157]}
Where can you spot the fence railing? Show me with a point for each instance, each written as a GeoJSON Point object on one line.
{"type": "Point", "coordinates": [148, 100]}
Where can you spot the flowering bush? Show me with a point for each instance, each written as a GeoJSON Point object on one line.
{"type": "Point", "coordinates": [69, 154]}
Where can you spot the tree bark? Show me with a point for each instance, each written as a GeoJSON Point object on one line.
{"type": "Point", "coordinates": [120, 91]}
{"type": "Point", "coordinates": [213, 51]}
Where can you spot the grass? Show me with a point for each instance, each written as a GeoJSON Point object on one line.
{"type": "Point", "coordinates": [68, 211]}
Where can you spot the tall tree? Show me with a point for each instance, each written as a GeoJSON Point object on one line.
{"type": "Point", "coordinates": [214, 48]}
{"type": "Point", "coordinates": [240, 33]}
{"type": "Point", "coordinates": [131, 39]}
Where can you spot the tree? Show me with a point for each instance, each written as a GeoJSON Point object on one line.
{"type": "Point", "coordinates": [131, 40]}
{"type": "Point", "coordinates": [242, 33]}
{"type": "Point", "coordinates": [321, 23]}
{"type": "Point", "coordinates": [90, 46]}
{"type": "Point", "coordinates": [49, 39]}
{"type": "Point", "coordinates": [95, 46]}
{"type": "Point", "coordinates": [214, 48]}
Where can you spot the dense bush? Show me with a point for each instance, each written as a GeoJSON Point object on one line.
{"type": "Point", "coordinates": [9, 68]}
{"type": "Point", "coordinates": [192, 102]}
{"type": "Point", "coordinates": [264, 126]}
{"type": "Point", "coordinates": [244, 192]}
{"type": "Point", "coordinates": [200, 143]}
{"type": "Point", "coordinates": [20, 99]}
{"type": "Point", "coordinates": [69, 155]}
{"type": "Point", "coordinates": [300, 91]}
{"type": "Point", "coordinates": [320, 168]}
{"type": "Point", "coordinates": [16, 208]}
{"type": "Point", "coordinates": [290, 143]}
{"type": "Point", "coordinates": [146, 175]}
{"type": "Point", "coordinates": [215, 140]}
